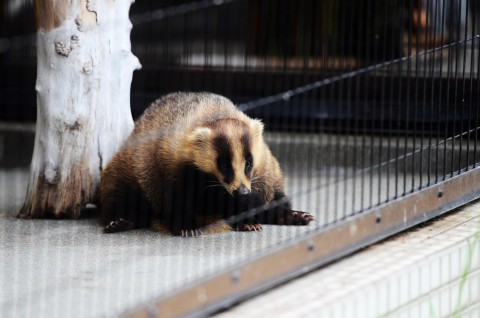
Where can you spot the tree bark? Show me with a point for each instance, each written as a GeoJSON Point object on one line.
{"type": "Point", "coordinates": [84, 73]}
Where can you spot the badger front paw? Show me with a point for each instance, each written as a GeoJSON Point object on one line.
{"type": "Point", "coordinates": [293, 217]}
{"type": "Point", "coordinates": [119, 225]}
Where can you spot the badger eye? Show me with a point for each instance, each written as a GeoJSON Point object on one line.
{"type": "Point", "coordinates": [248, 166]}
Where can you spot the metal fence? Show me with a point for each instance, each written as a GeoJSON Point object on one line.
{"type": "Point", "coordinates": [371, 108]}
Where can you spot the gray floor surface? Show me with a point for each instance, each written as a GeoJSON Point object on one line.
{"type": "Point", "coordinates": [57, 268]}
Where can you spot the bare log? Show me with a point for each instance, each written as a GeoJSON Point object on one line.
{"type": "Point", "coordinates": [84, 74]}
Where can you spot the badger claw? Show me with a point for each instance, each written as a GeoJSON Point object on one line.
{"type": "Point", "coordinates": [250, 227]}
{"type": "Point", "coordinates": [191, 233]}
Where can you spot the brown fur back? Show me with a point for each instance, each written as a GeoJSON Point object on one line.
{"type": "Point", "coordinates": [160, 144]}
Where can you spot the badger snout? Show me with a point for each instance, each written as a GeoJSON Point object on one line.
{"type": "Point", "coordinates": [242, 190]}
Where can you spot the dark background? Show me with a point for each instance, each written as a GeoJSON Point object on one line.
{"type": "Point", "coordinates": [247, 50]}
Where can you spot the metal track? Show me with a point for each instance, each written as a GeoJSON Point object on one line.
{"type": "Point", "coordinates": [314, 249]}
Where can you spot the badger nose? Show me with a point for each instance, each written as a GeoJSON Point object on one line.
{"type": "Point", "coordinates": [242, 190]}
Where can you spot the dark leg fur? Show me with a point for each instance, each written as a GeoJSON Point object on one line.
{"type": "Point", "coordinates": [184, 205]}
{"type": "Point", "coordinates": [119, 225]}
{"type": "Point", "coordinates": [239, 210]}
{"type": "Point", "coordinates": [195, 197]}
{"type": "Point", "coordinates": [188, 201]}
{"type": "Point", "coordinates": [125, 209]}
{"type": "Point", "coordinates": [281, 213]}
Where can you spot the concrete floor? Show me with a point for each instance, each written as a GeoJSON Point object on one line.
{"type": "Point", "coordinates": [70, 268]}
{"type": "Point", "coordinates": [57, 268]}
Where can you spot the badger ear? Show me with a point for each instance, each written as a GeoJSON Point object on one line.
{"type": "Point", "coordinates": [257, 127]}
{"type": "Point", "coordinates": [200, 134]}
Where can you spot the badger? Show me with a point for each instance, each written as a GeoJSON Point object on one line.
{"type": "Point", "coordinates": [195, 164]}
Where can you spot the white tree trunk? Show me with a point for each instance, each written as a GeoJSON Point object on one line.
{"type": "Point", "coordinates": [84, 73]}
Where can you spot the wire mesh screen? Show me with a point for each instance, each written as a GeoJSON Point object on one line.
{"type": "Point", "coordinates": [363, 103]}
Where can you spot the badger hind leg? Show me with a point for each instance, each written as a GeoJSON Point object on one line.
{"type": "Point", "coordinates": [124, 208]}
{"type": "Point", "coordinates": [215, 226]}
{"type": "Point", "coordinates": [209, 226]}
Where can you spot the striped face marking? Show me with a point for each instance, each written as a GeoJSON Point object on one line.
{"type": "Point", "coordinates": [224, 158]}
{"type": "Point", "coordinates": [234, 159]}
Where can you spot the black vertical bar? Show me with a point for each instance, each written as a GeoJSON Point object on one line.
{"type": "Point", "coordinates": [186, 55]}
{"type": "Point", "coordinates": [348, 107]}
{"type": "Point", "coordinates": [265, 15]}
{"type": "Point", "coordinates": [463, 105]}
{"type": "Point", "coordinates": [383, 105]}
{"type": "Point", "coordinates": [477, 114]}
{"type": "Point", "coordinates": [280, 58]}
{"type": "Point", "coordinates": [432, 91]}
{"type": "Point", "coordinates": [206, 58]}
{"type": "Point", "coordinates": [363, 103]}
{"type": "Point", "coordinates": [337, 100]}
{"type": "Point", "coordinates": [228, 84]}
{"type": "Point", "coordinates": [166, 65]}
{"type": "Point", "coordinates": [353, 105]}
{"type": "Point", "coordinates": [307, 11]}
{"type": "Point", "coordinates": [471, 70]}
{"type": "Point", "coordinates": [325, 50]}
{"type": "Point", "coordinates": [477, 104]}
{"type": "Point", "coordinates": [317, 94]}
{"type": "Point", "coordinates": [356, 113]}
{"type": "Point", "coordinates": [337, 131]}
{"type": "Point", "coordinates": [455, 109]}
{"type": "Point", "coordinates": [440, 110]}
{"type": "Point", "coordinates": [449, 70]}
{"type": "Point", "coordinates": [371, 98]}
{"type": "Point", "coordinates": [320, 96]}
{"type": "Point", "coordinates": [399, 107]}
{"type": "Point", "coordinates": [333, 160]}
{"type": "Point", "coordinates": [415, 106]}
{"type": "Point", "coordinates": [424, 101]}
{"type": "Point", "coordinates": [285, 39]}
{"type": "Point", "coordinates": [286, 25]}
{"type": "Point", "coordinates": [407, 110]}
{"type": "Point", "coordinates": [246, 49]}
{"type": "Point", "coordinates": [391, 104]}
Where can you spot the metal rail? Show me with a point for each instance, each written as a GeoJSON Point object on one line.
{"type": "Point", "coordinates": [317, 248]}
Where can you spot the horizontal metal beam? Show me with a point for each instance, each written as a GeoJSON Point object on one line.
{"type": "Point", "coordinates": [318, 247]}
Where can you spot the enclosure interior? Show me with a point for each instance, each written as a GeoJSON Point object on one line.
{"type": "Point", "coordinates": [364, 102]}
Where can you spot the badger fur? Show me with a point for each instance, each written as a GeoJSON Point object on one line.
{"type": "Point", "coordinates": [195, 164]}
